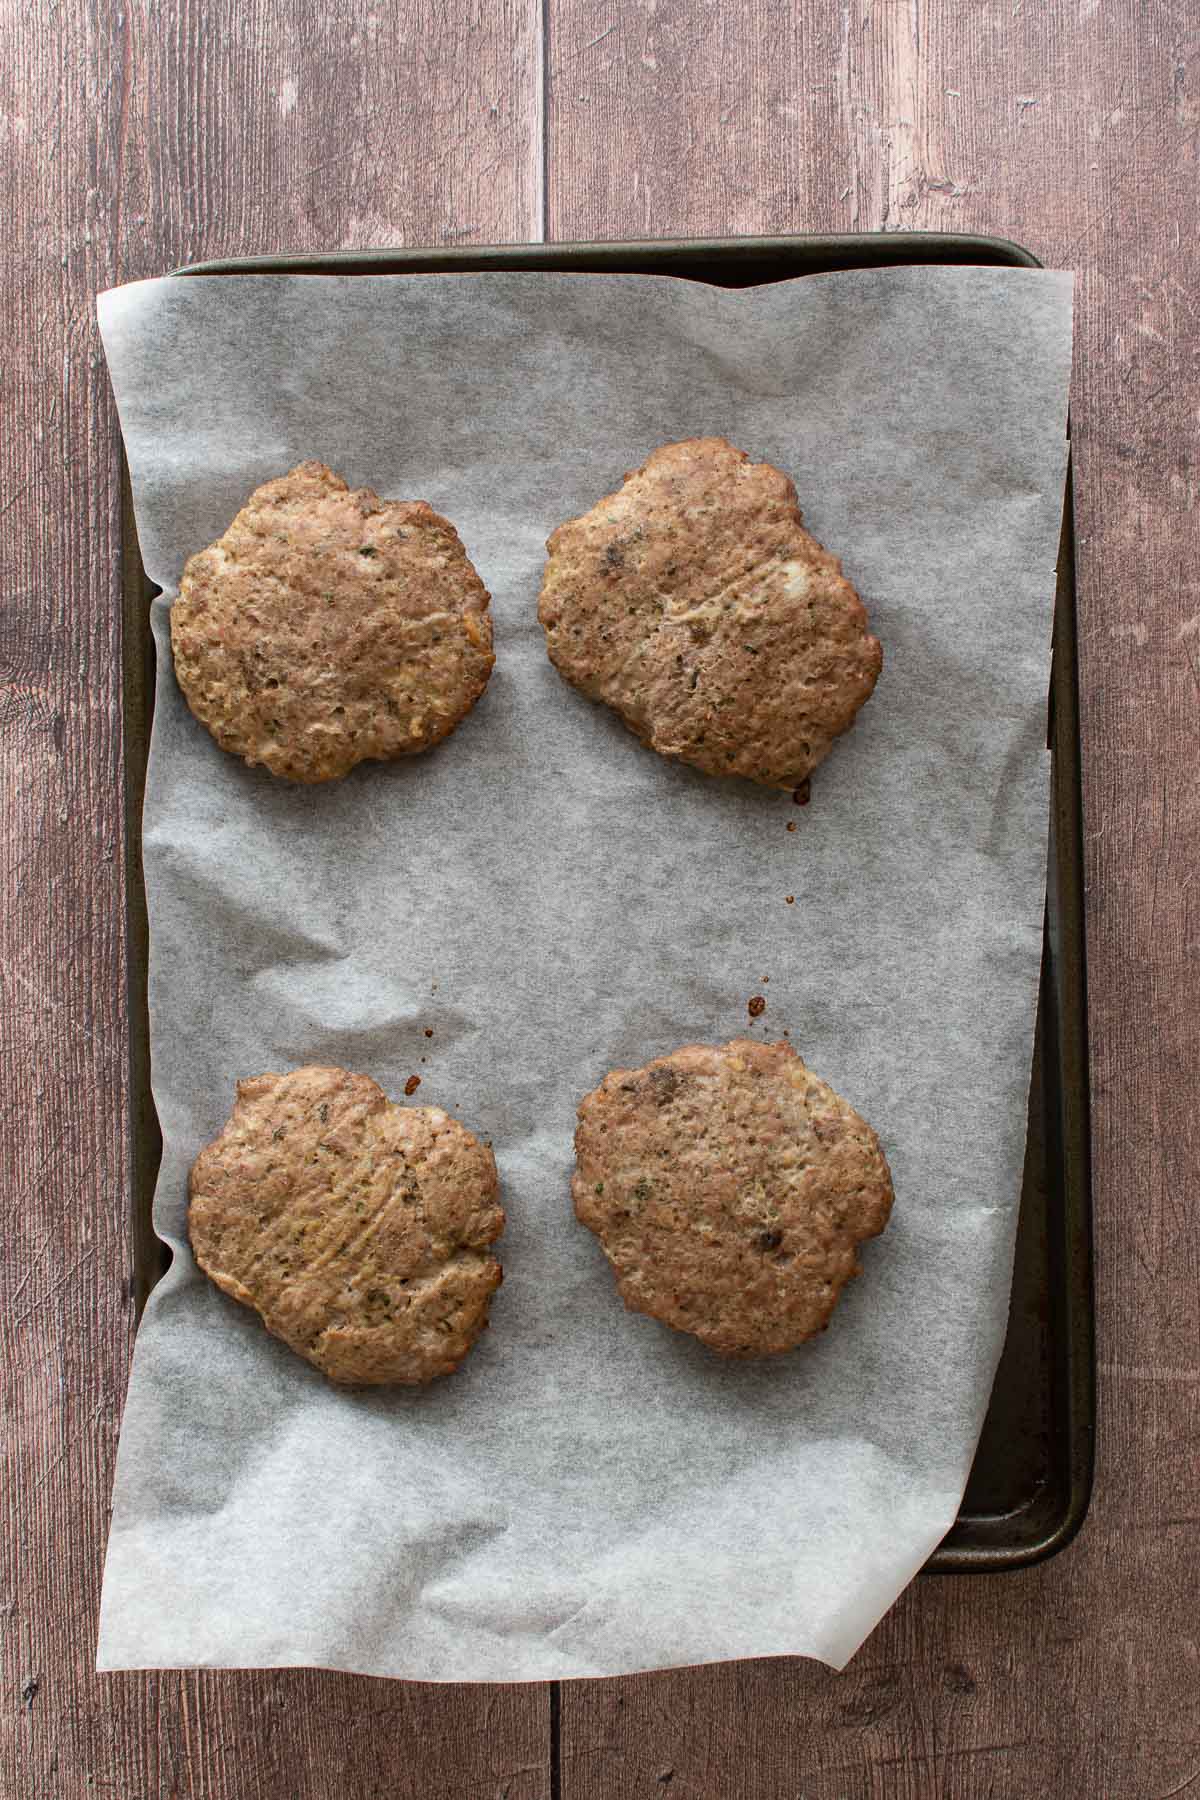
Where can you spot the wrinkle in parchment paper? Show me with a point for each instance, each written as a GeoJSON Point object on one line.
{"type": "Point", "coordinates": [591, 1493]}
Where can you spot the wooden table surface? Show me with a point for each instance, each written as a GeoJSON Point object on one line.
{"type": "Point", "coordinates": [138, 139]}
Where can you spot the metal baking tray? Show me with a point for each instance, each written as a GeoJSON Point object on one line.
{"type": "Point", "coordinates": [1032, 1476]}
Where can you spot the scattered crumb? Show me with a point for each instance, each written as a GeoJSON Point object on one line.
{"type": "Point", "coordinates": [791, 824]}
{"type": "Point", "coordinates": [790, 898]}
{"type": "Point", "coordinates": [803, 793]}
{"type": "Point", "coordinates": [429, 1031]}
{"type": "Point", "coordinates": [412, 1084]}
{"type": "Point", "coordinates": [756, 1006]}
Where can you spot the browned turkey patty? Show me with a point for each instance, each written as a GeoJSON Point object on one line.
{"type": "Point", "coordinates": [359, 1230]}
{"type": "Point", "coordinates": [696, 605]}
{"type": "Point", "coordinates": [327, 627]}
{"type": "Point", "coordinates": [730, 1190]}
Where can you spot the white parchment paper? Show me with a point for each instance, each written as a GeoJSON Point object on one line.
{"type": "Point", "coordinates": [592, 1493]}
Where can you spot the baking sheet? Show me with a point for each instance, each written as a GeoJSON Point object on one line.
{"type": "Point", "coordinates": [592, 1494]}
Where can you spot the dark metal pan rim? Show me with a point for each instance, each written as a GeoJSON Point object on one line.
{"type": "Point", "coordinates": [1046, 1379]}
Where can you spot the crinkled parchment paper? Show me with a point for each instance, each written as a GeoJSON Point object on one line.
{"type": "Point", "coordinates": [593, 1493]}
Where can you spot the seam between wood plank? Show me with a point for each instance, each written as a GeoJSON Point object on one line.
{"type": "Point", "coordinates": [542, 126]}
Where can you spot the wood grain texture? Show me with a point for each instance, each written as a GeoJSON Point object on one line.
{"type": "Point", "coordinates": [1074, 129]}
{"type": "Point", "coordinates": [171, 131]}
{"type": "Point", "coordinates": [134, 141]}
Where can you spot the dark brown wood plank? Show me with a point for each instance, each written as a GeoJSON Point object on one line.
{"type": "Point", "coordinates": [132, 142]}
{"type": "Point", "coordinates": [691, 116]}
{"type": "Point", "coordinates": [1073, 129]}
